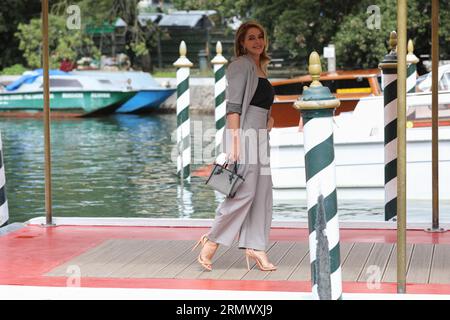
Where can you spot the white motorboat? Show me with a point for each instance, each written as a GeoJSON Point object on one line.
{"type": "Point", "coordinates": [359, 152]}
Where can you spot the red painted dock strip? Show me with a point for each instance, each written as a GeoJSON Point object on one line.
{"type": "Point", "coordinates": [29, 253]}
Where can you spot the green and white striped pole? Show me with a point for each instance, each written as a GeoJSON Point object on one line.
{"type": "Point", "coordinates": [220, 86]}
{"type": "Point", "coordinates": [411, 75]}
{"type": "Point", "coordinates": [4, 212]}
{"type": "Point", "coordinates": [317, 108]}
{"type": "Point", "coordinates": [183, 122]}
{"type": "Point", "coordinates": [389, 69]}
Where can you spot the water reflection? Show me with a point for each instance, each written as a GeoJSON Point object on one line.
{"type": "Point", "coordinates": [185, 207]}
{"type": "Point", "coordinates": [118, 166]}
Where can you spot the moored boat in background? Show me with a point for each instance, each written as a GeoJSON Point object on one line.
{"type": "Point", "coordinates": [150, 94]}
{"type": "Point", "coordinates": [359, 151]}
{"type": "Point", "coordinates": [69, 93]}
{"type": "Point", "coordinates": [348, 86]}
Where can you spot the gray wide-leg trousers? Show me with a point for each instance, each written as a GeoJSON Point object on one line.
{"type": "Point", "coordinates": [249, 213]}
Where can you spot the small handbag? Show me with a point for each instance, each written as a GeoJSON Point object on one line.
{"type": "Point", "coordinates": [224, 180]}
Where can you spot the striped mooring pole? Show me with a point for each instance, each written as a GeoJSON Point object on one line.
{"type": "Point", "coordinates": [317, 108]}
{"type": "Point", "coordinates": [4, 212]}
{"type": "Point", "coordinates": [389, 69]}
{"type": "Point", "coordinates": [411, 75]}
{"type": "Point", "coordinates": [183, 122]}
{"type": "Point", "coordinates": [220, 86]}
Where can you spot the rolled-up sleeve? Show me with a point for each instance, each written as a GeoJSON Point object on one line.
{"type": "Point", "coordinates": [236, 78]}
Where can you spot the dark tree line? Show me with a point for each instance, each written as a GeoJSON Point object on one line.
{"type": "Point", "coordinates": [296, 26]}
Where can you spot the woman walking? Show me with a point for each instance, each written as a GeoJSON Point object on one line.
{"type": "Point", "coordinates": [246, 140]}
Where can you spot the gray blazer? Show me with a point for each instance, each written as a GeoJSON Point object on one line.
{"type": "Point", "coordinates": [242, 83]}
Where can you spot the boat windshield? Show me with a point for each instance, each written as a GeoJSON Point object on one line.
{"type": "Point", "coordinates": [419, 107]}
{"type": "Point", "coordinates": [444, 84]}
{"type": "Point", "coordinates": [340, 86]}
{"type": "Point", "coordinates": [424, 82]}
{"type": "Point", "coordinates": [66, 83]}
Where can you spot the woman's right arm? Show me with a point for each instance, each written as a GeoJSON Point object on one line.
{"type": "Point", "coordinates": [236, 78]}
{"type": "Point", "coordinates": [234, 120]}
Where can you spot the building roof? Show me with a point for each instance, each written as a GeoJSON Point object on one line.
{"type": "Point", "coordinates": [191, 19]}
{"type": "Point", "coordinates": [153, 17]}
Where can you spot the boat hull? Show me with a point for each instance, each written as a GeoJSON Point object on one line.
{"type": "Point", "coordinates": [359, 155]}
{"type": "Point", "coordinates": [286, 115]}
{"type": "Point", "coordinates": [145, 100]}
{"type": "Point", "coordinates": [360, 167]}
{"type": "Point", "coordinates": [84, 102]}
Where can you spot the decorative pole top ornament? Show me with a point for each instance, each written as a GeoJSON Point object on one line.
{"type": "Point", "coordinates": [183, 61]}
{"type": "Point", "coordinates": [316, 96]}
{"type": "Point", "coordinates": [390, 60]}
{"type": "Point", "coordinates": [393, 41]}
{"type": "Point", "coordinates": [411, 57]}
{"type": "Point", "coordinates": [315, 68]}
{"type": "Point", "coordinates": [219, 47]}
{"type": "Point", "coordinates": [183, 49]}
{"type": "Point", "coordinates": [219, 58]}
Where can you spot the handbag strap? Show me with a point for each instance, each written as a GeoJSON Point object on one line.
{"type": "Point", "coordinates": [235, 167]}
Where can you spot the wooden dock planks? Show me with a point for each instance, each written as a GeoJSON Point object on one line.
{"type": "Point", "coordinates": [376, 263]}
{"type": "Point", "coordinates": [275, 254]}
{"type": "Point", "coordinates": [420, 264]}
{"type": "Point", "coordinates": [354, 264]}
{"type": "Point", "coordinates": [390, 274]}
{"type": "Point", "coordinates": [440, 269]}
{"type": "Point", "coordinates": [289, 262]}
{"type": "Point", "coordinates": [134, 258]}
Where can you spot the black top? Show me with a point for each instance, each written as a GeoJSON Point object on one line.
{"type": "Point", "coordinates": [264, 94]}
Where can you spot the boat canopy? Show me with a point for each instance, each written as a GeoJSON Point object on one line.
{"type": "Point", "coordinates": [30, 77]}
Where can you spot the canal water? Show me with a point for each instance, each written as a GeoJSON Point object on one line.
{"type": "Point", "coordinates": [123, 166]}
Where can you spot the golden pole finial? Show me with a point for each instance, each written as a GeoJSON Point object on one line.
{"type": "Point", "coordinates": [183, 61]}
{"type": "Point", "coordinates": [183, 49]}
{"type": "Point", "coordinates": [393, 40]}
{"type": "Point", "coordinates": [411, 57]}
{"type": "Point", "coordinates": [410, 46]}
{"type": "Point", "coordinates": [219, 58]}
{"type": "Point", "coordinates": [219, 47]}
{"type": "Point", "coordinates": [315, 68]}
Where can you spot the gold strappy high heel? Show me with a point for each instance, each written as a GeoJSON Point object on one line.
{"type": "Point", "coordinates": [205, 261]}
{"type": "Point", "coordinates": [262, 265]}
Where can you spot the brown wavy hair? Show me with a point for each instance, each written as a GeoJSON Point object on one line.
{"type": "Point", "coordinates": [240, 36]}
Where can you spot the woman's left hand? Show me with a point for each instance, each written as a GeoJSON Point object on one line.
{"type": "Point", "coordinates": [270, 123]}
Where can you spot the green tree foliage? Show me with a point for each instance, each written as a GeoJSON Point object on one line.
{"type": "Point", "coordinates": [13, 70]}
{"type": "Point", "coordinates": [225, 8]}
{"type": "Point", "coordinates": [13, 12]}
{"type": "Point", "coordinates": [308, 25]}
{"type": "Point", "coordinates": [92, 12]}
{"type": "Point", "coordinates": [301, 26]}
{"type": "Point", "coordinates": [298, 26]}
{"type": "Point", "coordinates": [358, 45]}
{"type": "Point", "coordinates": [140, 40]}
{"type": "Point", "coordinates": [63, 43]}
